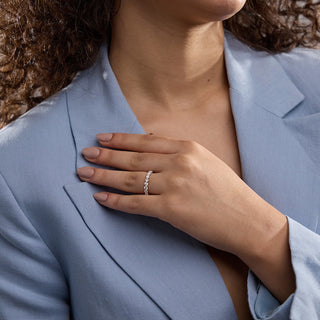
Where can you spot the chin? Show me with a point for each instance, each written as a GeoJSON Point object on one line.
{"type": "Point", "coordinates": [215, 10]}
{"type": "Point", "coordinates": [224, 9]}
{"type": "Point", "coordinates": [191, 11]}
{"type": "Point", "coordinates": [234, 6]}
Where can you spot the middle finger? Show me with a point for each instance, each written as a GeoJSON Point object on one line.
{"type": "Point", "coordinates": [126, 160]}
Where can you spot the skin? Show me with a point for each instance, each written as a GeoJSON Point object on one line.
{"type": "Point", "coordinates": [168, 56]}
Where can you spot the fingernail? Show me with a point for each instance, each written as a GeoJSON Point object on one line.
{"type": "Point", "coordinates": [105, 137]}
{"type": "Point", "coordinates": [85, 172]}
{"type": "Point", "coordinates": [91, 152]}
{"type": "Point", "coordinates": [101, 196]}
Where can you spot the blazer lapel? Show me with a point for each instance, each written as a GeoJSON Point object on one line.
{"type": "Point", "coordinates": [278, 133]}
{"type": "Point", "coordinates": [173, 269]}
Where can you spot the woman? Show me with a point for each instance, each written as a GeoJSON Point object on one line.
{"type": "Point", "coordinates": [197, 158]}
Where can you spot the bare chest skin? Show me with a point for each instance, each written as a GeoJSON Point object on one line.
{"type": "Point", "coordinates": [213, 128]}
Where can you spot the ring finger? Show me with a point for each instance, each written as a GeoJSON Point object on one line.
{"type": "Point", "coordinates": [132, 182]}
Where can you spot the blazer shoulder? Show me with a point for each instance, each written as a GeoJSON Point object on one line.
{"type": "Point", "coordinates": [301, 58]}
{"type": "Point", "coordinates": [35, 122]}
{"type": "Point", "coordinates": [31, 138]}
{"type": "Point", "coordinates": [302, 65]}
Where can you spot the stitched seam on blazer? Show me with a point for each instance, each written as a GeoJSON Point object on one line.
{"type": "Point", "coordinates": [72, 134]}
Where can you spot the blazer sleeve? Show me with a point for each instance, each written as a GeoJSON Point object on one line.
{"type": "Point", "coordinates": [32, 285]}
{"type": "Point", "coordinates": [304, 303]}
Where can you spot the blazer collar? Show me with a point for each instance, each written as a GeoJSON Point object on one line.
{"type": "Point", "coordinates": [96, 104]}
{"type": "Point", "coordinates": [173, 269]}
{"type": "Point", "coordinates": [260, 77]}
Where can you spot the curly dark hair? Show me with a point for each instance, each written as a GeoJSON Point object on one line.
{"type": "Point", "coordinates": [44, 43]}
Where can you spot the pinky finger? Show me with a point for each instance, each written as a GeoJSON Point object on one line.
{"type": "Point", "coordinates": [136, 204]}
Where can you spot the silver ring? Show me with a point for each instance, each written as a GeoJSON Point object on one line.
{"type": "Point", "coordinates": [146, 183]}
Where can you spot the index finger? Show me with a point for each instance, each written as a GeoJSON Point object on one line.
{"type": "Point", "coordinates": [140, 142]}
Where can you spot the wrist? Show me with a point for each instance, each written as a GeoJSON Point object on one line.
{"type": "Point", "coordinates": [273, 266]}
{"type": "Point", "coordinates": [267, 252]}
{"type": "Point", "coordinates": [265, 227]}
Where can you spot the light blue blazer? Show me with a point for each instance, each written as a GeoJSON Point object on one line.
{"type": "Point", "coordinates": [62, 255]}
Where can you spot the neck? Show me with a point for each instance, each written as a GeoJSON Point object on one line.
{"type": "Point", "coordinates": [170, 63]}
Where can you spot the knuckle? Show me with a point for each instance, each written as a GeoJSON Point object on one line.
{"type": "Point", "coordinates": [181, 158]}
{"type": "Point", "coordinates": [175, 182]}
{"type": "Point", "coordinates": [148, 137]}
{"type": "Point", "coordinates": [136, 160]}
{"type": "Point", "coordinates": [131, 180]}
{"type": "Point", "coordinates": [184, 162]}
{"type": "Point", "coordinates": [175, 212]}
{"type": "Point", "coordinates": [134, 205]}
{"type": "Point", "coordinates": [101, 175]}
{"type": "Point", "coordinates": [189, 145]}
{"type": "Point", "coordinates": [163, 213]}
{"type": "Point", "coordinates": [145, 140]}
{"type": "Point", "coordinates": [170, 205]}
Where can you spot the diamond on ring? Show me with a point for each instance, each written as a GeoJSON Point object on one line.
{"type": "Point", "coordinates": [146, 183]}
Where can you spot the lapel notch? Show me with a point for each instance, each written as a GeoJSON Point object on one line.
{"type": "Point", "coordinates": [258, 76]}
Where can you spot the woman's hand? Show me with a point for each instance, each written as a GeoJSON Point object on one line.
{"type": "Point", "coordinates": [198, 193]}
{"type": "Point", "coordinates": [190, 188]}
